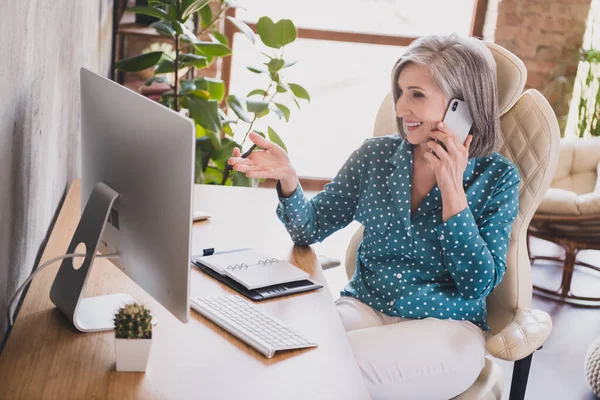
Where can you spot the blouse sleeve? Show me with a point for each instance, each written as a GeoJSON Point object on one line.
{"type": "Point", "coordinates": [311, 221]}
{"type": "Point", "coordinates": [475, 250]}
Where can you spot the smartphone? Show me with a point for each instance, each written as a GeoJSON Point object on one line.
{"type": "Point", "coordinates": [458, 119]}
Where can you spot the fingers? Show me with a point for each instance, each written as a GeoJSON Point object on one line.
{"type": "Point", "coordinates": [260, 141]}
{"type": "Point", "coordinates": [239, 160]}
{"type": "Point", "coordinates": [468, 142]}
{"type": "Point", "coordinates": [448, 139]}
{"type": "Point", "coordinates": [264, 173]}
{"type": "Point", "coordinates": [236, 152]}
{"type": "Point", "coordinates": [439, 150]}
{"type": "Point", "coordinates": [433, 160]}
{"type": "Point", "coordinates": [247, 168]}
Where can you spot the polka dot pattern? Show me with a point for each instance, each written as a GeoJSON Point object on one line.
{"type": "Point", "coordinates": [414, 266]}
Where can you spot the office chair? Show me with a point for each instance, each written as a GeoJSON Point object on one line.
{"type": "Point", "coordinates": [531, 140]}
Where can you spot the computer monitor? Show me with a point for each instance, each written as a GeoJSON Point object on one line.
{"type": "Point", "coordinates": [137, 171]}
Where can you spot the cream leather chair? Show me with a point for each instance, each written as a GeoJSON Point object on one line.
{"type": "Point", "coordinates": [531, 141]}
{"type": "Point", "coordinates": [569, 214]}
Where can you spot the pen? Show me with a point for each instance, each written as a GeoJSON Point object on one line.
{"type": "Point", "coordinates": [211, 251]}
{"type": "Point", "coordinates": [228, 167]}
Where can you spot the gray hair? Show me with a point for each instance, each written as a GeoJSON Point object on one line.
{"type": "Point", "coordinates": [463, 68]}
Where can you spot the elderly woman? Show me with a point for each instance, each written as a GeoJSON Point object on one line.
{"type": "Point", "coordinates": [437, 224]}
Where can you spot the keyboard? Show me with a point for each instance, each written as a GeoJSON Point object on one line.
{"type": "Point", "coordinates": [243, 320]}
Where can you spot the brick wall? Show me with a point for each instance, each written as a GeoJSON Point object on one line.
{"type": "Point", "coordinates": [545, 34]}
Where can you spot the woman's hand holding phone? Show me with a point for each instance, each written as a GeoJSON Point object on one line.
{"type": "Point", "coordinates": [449, 163]}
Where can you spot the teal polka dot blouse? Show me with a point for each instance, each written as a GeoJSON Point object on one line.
{"type": "Point", "coordinates": [414, 266]}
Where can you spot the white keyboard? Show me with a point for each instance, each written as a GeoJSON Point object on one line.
{"type": "Point", "coordinates": [243, 320]}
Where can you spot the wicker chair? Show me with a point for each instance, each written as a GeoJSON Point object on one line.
{"type": "Point", "coordinates": [569, 214]}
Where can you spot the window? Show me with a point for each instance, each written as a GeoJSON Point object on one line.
{"type": "Point", "coordinates": [346, 49]}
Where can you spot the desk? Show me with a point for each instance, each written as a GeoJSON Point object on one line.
{"type": "Point", "coordinates": [46, 358]}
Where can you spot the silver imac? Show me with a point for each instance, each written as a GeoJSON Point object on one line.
{"type": "Point", "coordinates": [137, 176]}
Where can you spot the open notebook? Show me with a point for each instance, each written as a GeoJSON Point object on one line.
{"type": "Point", "coordinates": [253, 269]}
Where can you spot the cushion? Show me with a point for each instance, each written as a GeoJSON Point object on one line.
{"type": "Point", "coordinates": [564, 202]}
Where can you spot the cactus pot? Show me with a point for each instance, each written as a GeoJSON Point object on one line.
{"type": "Point", "coordinates": [132, 354]}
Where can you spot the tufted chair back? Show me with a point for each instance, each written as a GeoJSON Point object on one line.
{"type": "Point", "coordinates": [531, 140]}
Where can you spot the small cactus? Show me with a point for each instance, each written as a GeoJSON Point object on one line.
{"type": "Point", "coordinates": [133, 321]}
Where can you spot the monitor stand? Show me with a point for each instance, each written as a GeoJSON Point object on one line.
{"type": "Point", "coordinates": [92, 314]}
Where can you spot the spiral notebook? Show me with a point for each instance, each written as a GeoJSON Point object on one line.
{"type": "Point", "coordinates": [253, 269]}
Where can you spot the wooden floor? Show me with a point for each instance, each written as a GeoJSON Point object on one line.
{"type": "Point", "coordinates": [557, 371]}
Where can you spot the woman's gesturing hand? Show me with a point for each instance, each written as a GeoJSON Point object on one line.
{"type": "Point", "coordinates": [449, 167]}
{"type": "Point", "coordinates": [272, 163]}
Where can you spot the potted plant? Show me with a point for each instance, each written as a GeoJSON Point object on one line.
{"type": "Point", "coordinates": [133, 337]}
{"type": "Point", "coordinates": [222, 122]}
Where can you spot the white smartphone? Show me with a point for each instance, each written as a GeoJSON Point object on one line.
{"type": "Point", "coordinates": [458, 119]}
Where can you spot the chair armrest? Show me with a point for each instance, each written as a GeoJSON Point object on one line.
{"type": "Point", "coordinates": [528, 330]}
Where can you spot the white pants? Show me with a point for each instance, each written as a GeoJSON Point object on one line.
{"type": "Point", "coordinates": [413, 359]}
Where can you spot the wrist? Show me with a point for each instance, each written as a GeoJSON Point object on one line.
{"type": "Point", "coordinates": [288, 183]}
{"type": "Point", "coordinates": [453, 203]}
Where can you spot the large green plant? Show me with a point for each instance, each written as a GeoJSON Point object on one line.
{"type": "Point", "coordinates": [201, 98]}
{"type": "Point", "coordinates": [588, 108]}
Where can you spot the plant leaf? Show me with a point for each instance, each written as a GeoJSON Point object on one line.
{"type": "Point", "coordinates": [227, 146]}
{"type": "Point", "coordinates": [257, 92]}
{"type": "Point", "coordinates": [216, 88]}
{"type": "Point", "coordinates": [243, 27]}
{"type": "Point", "coordinates": [197, 61]}
{"type": "Point", "coordinates": [289, 63]}
{"type": "Point", "coordinates": [281, 88]}
{"type": "Point", "coordinates": [206, 17]}
{"type": "Point", "coordinates": [165, 66]}
{"type": "Point", "coordinates": [187, 35]}
{"type": "Point", "coordinates": [285, 110]}
{"type": "Point", "coordinates": [160, 79]}
{"type": "Point", "coordinates": [164, 28]}
{"type": "Point", "coordinates": [236, 105]}
{"type": "Point", "coordinates": [172, 12]}
{"type": "Point", "coordinates": [257, 106]}
{"type": "Point", "coordinates": [275, 64]}
{"type": "Point", "coordinates": [178, 26]}
{"type": "Point", "coordinates": [148, 10]}
{"type": "Point", "coordinates": [274, 137]}
{"type": "Point", "coordinates": [233, 4]}
{"type": "Point", "coordinates": [257, 70]}
{"type": "Point", "coordinates": [203, 94]}
{"type": "Point", "coordinates": [299, 91]}
{"type": "Point", "coordinates": [211, 48]}
{"type": "Point", "coordinates": [277, 111]}
{"type": "Point", "coordinates": [276, 35]}
{"type": "Point", "coordinates": [206, 113]}
{"type": "Point", "coordinates": [219, 37]}
{"type": "Point", "coordinates": [193, 8]}
{"type": "Point", "coordinates": [139, 62]}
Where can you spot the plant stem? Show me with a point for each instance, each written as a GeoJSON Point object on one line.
{"type": "Point", "coordinates": [213, 21]}
{"type": "Point", "coordinates": [208, 27]}
{"type": "Point", "coordinates": [254, 119]}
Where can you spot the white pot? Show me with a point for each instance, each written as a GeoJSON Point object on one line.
{"type": "Point", "coordinates": [132, 354]}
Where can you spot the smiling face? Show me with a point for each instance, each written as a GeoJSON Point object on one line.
{"type": "Point", "coordinates": [421, 103]}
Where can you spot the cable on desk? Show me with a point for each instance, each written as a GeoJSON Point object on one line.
{"type": "Point", "coordinates": [44, 265]}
